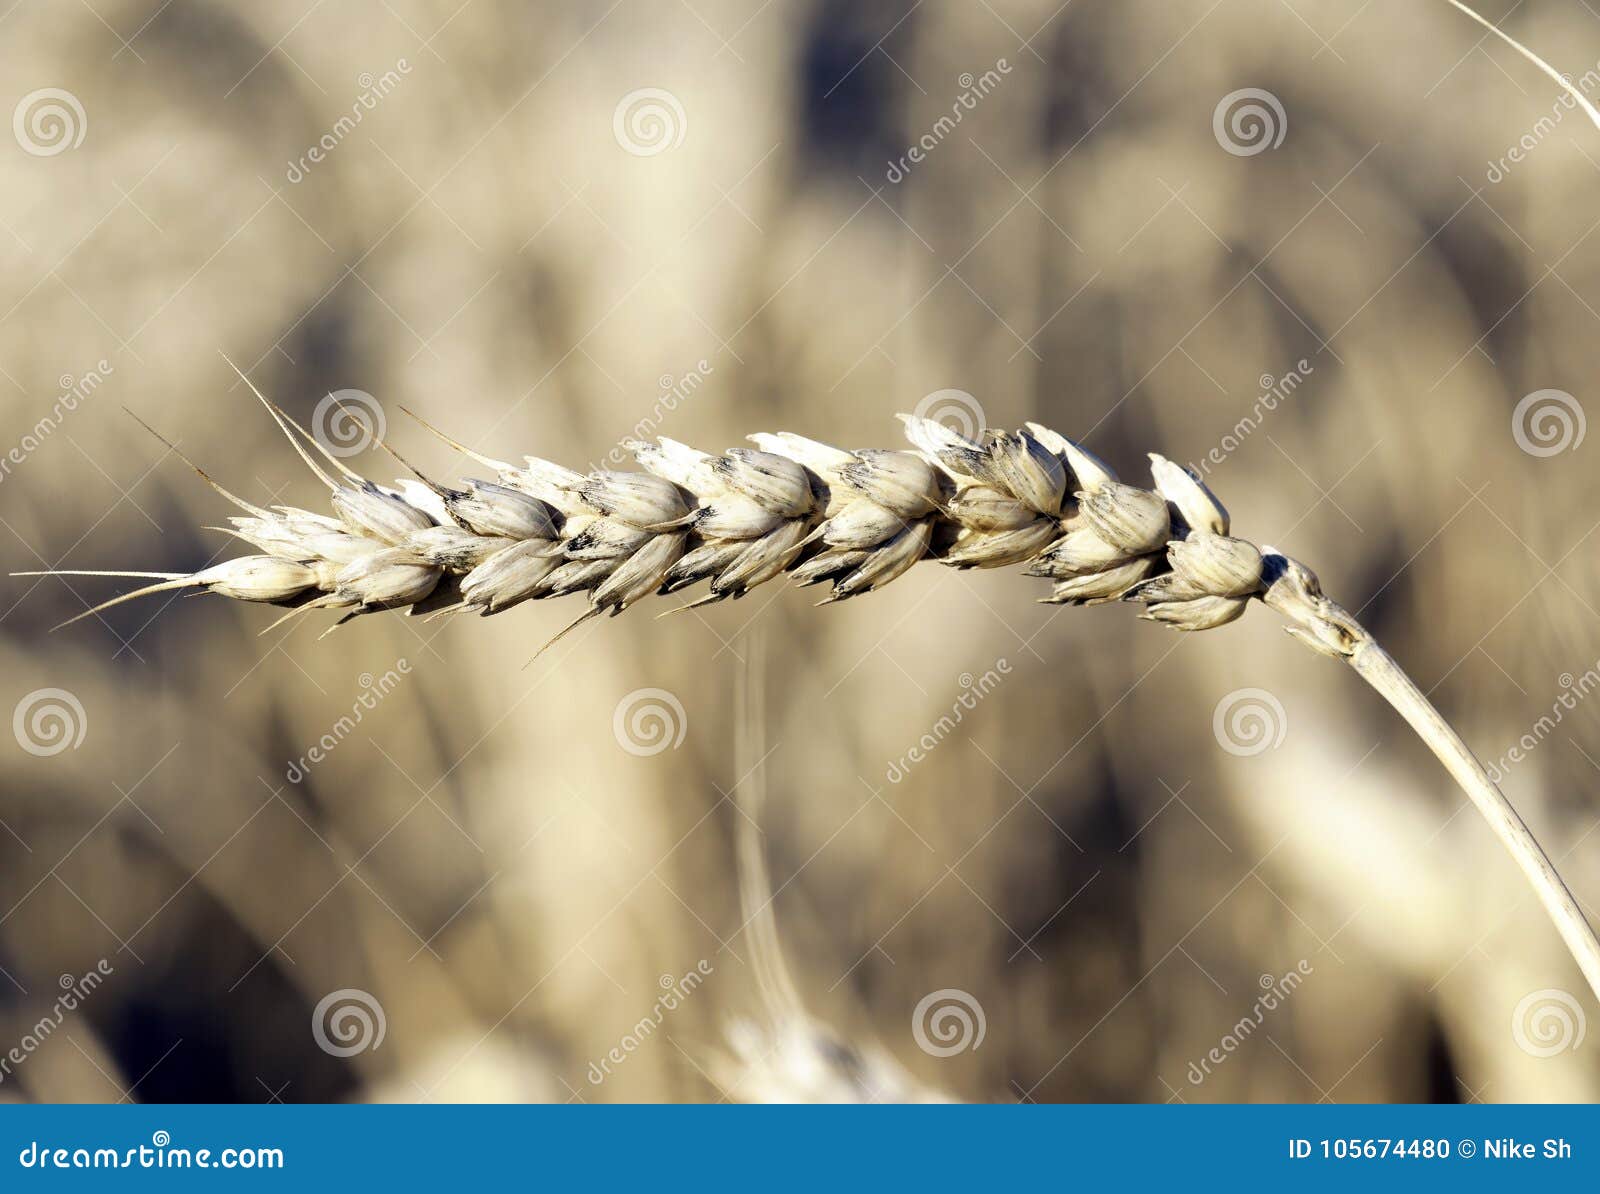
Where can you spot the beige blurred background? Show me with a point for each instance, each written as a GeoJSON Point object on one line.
{"type": "Point", "coordinates": [497, 247]}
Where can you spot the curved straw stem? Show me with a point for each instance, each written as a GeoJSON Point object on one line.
{"type": "Point", "coordinates": [1379, 669]}
{"type": "Point", "coordinates": [1325, 626]}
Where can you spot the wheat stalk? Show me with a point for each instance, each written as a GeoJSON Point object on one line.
{"type": "Point", "coordinates": [855, 520]}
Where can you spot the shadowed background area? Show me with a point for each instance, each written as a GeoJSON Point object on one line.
{"type": "Point", "coordinates": [547, 228]}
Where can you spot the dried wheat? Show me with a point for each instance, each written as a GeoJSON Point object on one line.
{"type": "Point", "coordinates": [856, 520]}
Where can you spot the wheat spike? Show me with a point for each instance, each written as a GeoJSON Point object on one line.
{"type": "Point", "coordinates": [856, 520]}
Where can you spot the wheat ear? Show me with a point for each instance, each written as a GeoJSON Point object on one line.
{"type": "Point", "coordinates": [855, 520]}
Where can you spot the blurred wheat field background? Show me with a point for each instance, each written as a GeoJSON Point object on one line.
{"type": "Point", "coordinates": [1366, 309]}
